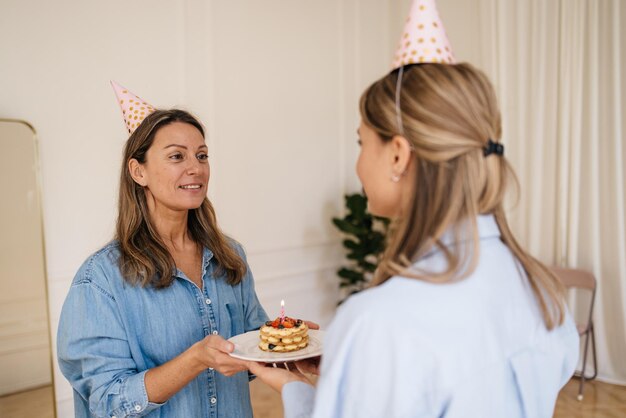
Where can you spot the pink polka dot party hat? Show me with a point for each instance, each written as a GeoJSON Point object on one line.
{"type": "Point", "coordinates": [424, 38]}
{"type": "Point", "coordinates": [134, 109]}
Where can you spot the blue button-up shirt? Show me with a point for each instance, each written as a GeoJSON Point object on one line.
{"type": "Point", "coordinates": [110, 333]}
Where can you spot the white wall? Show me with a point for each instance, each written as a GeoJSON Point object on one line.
{"type": "Point", "coordinates": [276, 82]}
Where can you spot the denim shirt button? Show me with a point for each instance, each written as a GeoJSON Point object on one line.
{"type": "Point", "coordinates": [214, 332]}
{"type": "Point", "coordinates": [207, 301]}
{"type": "Point", "coordinates": [213, 400]}
{"type": "Point", "coordinates": [137, 408]}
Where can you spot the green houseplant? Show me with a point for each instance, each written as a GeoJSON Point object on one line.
{"type": "Point", "coordinates": [364, 242]}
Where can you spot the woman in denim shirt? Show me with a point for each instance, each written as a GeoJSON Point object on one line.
{"type": "Point", "coordinates": [144, 327]}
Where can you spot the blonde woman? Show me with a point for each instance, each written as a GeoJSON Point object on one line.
{"type": "Point", "coordinates": [143, 329]}
{"type": "Point", "coordinates": [460, 321]}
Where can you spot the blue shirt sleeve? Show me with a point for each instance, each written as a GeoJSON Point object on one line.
{"type": "Point", "coordinates": [94, 354]}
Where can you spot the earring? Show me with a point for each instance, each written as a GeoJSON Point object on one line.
{"type": "Point", "coordinates": [395, 178]}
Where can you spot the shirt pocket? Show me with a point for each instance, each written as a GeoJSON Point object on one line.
{"type": "Point", "coordinates": [233, 323]}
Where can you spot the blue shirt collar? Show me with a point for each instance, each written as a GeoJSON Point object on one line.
{"type": "Point", "coordinates": [207, 256]}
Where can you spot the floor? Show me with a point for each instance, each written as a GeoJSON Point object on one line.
{"type": "Point", "coordinates": [601, 400]}
{"type": "Point", "coordinates": [36, 403]}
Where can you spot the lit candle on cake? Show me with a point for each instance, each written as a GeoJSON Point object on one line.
{"type": "Point", "coordinates": [282, 310]}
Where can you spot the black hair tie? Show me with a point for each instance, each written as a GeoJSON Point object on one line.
{"type": "Point", "coordinates": [493, 148]}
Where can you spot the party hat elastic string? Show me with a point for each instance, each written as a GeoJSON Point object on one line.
{"type": "Point", "coordinates": [398, 108]}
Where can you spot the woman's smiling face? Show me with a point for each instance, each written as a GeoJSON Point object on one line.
{"type": "Point", "coordinates": [176, 170]}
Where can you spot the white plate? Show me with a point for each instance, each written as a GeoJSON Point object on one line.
{"type": "Point", "coordinates": [247, 348]}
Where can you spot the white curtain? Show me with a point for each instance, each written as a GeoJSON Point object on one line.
{"type": "Point", "coordinates": [560, 70]}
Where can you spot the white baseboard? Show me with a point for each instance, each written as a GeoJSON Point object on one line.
{"type": "Point", "coordinates": [65, 408]}
{"type": "Point", "coordinates": [611, 380]}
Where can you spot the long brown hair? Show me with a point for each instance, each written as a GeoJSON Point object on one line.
{"type": "Point", "coordinates": [145, 259]}
{"type": "Point", "coordinates": [449, 112]}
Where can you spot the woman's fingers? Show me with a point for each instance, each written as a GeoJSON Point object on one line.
{"type": "Point", "coordinates": [214, 354]}
{"type": "Point", "coordinates": [312, 325]}
{"type": "Point", "coordinates": [228, 365]}
{"type": "Point", "coordinates": [256, 368]}
{"type": "Point", "coordinates": [217, 342]}
{"type": "Point", "coordinates": [310, 365]}
{"type": "Point", "coordinates": [275, 377]}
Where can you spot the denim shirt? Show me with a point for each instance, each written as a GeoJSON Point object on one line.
{"type": "Point", "coordinates": [110, 333]}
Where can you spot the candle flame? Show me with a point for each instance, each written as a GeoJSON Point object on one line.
{"type": "Point", "coordinates": [282, 303]}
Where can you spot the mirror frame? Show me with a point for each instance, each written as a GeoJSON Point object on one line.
{"type": "Point", "coordinates": [39, 192]}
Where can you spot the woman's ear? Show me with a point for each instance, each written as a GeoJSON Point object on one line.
{"type": "Point", "coordinates": [137, 172]}
{"type": "Point", "coordinates": [401, 153]}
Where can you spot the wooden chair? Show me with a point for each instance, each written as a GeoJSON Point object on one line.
{"type": "Point", "coordinates": [581, 279]}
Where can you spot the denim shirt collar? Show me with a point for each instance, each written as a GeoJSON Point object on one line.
{"type": "Point", "coordinates": [207, 256]}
